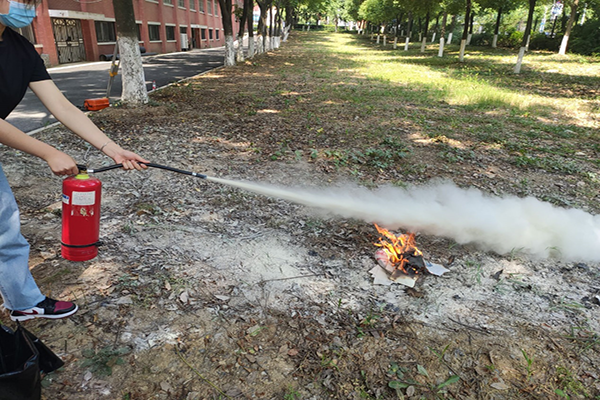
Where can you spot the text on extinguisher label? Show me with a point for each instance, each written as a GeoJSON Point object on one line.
{"type": "Point", "coordinates": [83, 198]}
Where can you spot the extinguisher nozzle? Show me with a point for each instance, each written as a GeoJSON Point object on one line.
{"type": "Point", "coordinates": [82, 168]}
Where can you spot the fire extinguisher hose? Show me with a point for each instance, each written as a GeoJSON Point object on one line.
{"type": "Point", "coordinates": [84, 168]}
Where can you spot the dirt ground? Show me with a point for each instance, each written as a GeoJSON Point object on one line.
{"type": "Point", "coordinates": [202, 291]}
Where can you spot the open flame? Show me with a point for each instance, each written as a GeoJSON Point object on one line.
{"type": "Point", "coordinates": [399, 255]}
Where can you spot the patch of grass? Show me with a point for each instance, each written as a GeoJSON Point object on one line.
{"type": "Point", "coordinates": [102, 361]}
{"type": "Point", "coordinates": [569, 384]}
{"type": "Point", "coordinates": [291, 394]}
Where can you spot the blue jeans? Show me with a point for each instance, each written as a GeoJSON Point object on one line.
{"type": "Point", "coordinates": [17, 286]}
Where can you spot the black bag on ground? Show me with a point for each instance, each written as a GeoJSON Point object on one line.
{"type": "Point", "coordinates": [22, 357]}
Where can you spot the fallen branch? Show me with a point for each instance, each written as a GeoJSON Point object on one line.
{"type": "Point", "coordinates": [285, 279]}
{"type": "Point", "coordinates": [473, 328]}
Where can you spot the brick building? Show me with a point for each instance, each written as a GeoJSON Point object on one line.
{"type": "Point", "coordinates": [67, 31]}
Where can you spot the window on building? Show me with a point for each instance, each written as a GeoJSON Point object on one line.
{"type": "Point", "coordinates": [139, 31]}
{"type": "Point", "coordinates": [203, 34]}
{"type": "Point", "coordinates": [193, 5]}
{"type": "Point", "coordinates": [201, 5]}
{"type": "Point", "coordinates": [169, 2]}
{"type": "Point", "coordinates": [209, 6]}
{"type": "Point", "coordinates": [154, 32]}
{"type": "Point", "coordinates": [217, 34]}
{"type": "Point", "coordinates": [210, 37]}
{"type": "Point", "coordinates": [216, 8]}
{"type": "Point", "coordinates": [170, 31]}
{"type": "Point", "coordinates": [181, 3]}
{"type": "Point", "coordinates": [105, 31]}
{"type": "Point", "coordinates": [27, 32]}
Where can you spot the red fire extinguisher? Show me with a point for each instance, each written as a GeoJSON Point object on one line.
{"type": "Point", "coordinates": [80, 217]}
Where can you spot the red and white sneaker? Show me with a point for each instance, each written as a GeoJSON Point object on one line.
{"type": "Point", "coordinates": [49, 308]}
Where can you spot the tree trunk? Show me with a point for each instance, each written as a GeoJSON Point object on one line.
{"type": "Point", "coordinates": [250, 22]}
{"type": "Point", "coordinates": [497, 28]}
{"type": "Point", "coordinates": [239, 57]}
{"type": "Point", "coordinates": [134, 90]}
{"type": "Point", "coordinates": [526, 35]}
{"type": "Point", "coordinates": [463, 41]}
{"type": "Point", "coordinates": [565, 39]}
{"type": "Point", "coordinates": [271, 26]}
{"type": "Point", "coordinates": [443, 34]}
{"type": "Point", "coordinates": [452, 25]}
{"type": "Point", "coordinates": [228, 31]}
{"type": "Point", "coordinates": [262, 26]}
{"type": "Point", "coordinates": [408, 30]}
{"type": "Point", "coordinates": [425, 31]}
{"type": "Point", "coordinates": [470, 35]}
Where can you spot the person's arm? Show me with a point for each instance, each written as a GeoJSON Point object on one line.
{"type": "Point", "coordinates": [72, 117]}
{"type": "Point", "coordinates": [59, 162]}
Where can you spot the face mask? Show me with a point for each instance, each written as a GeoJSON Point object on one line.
{"type": "Point", "coordinates": [19, 15]}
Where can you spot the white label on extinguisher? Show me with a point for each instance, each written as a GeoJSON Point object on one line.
{"type": "Point", "coordinates": [83, 198]}
{"type": "Point", "coordinates": [65, 198]}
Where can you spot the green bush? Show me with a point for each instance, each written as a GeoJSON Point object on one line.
{"type": "Point", "coordinates": [513, 39]}
{"type": "Point", "coordinates": [540, 41]}
{"type": "Point", "coordinates": [585, 39]}
{"type": "Point", "coordinates": [482, 39]}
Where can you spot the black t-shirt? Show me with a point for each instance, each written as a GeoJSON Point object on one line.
{"type": "Point", "coordinates": [20, 64]}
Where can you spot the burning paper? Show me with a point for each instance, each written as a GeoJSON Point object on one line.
{"type": "Point", "coordinates": [400, 260]}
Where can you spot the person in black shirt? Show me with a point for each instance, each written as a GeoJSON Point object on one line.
{"type": "Point", "coordinates": [22, 67]}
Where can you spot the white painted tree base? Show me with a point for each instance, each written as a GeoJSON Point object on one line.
{"type": "Point", "coordinates": [449, 38]}
{"type": "Point", "coordinates": [229, 51]}
{"type": "Point", "coordinates": [441, 50]}
{"type": "Point", "coordinates": [469, 36]}
{"type": "Point", "coordinates": [423, 43]}
{"type": "Point", "coordinates": [251, 47]}
{"type": "Point", "coordinates": [133, 79]}
{"type": "Point", "coordinates": [495, 41]}
{"type": "Point", "coordinates": [520, 60]}
{"type": "Point", "coordinates": [406, 44]}
{"type": "Point", "coordinates": [239, 52]}
{"type": "Point", "coordinates": [463, 45]}
{"type": "Point", "coordinates": [563, 45]}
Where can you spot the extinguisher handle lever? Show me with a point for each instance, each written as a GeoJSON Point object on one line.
{"type": "Point", "coordinates": [82, 168]}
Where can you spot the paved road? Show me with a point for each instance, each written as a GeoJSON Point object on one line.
{"type": "Point", "coordinates": [87, 81]}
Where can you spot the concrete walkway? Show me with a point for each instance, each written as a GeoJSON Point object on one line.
{"type": "Point", "coordinates": [79, 82]}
